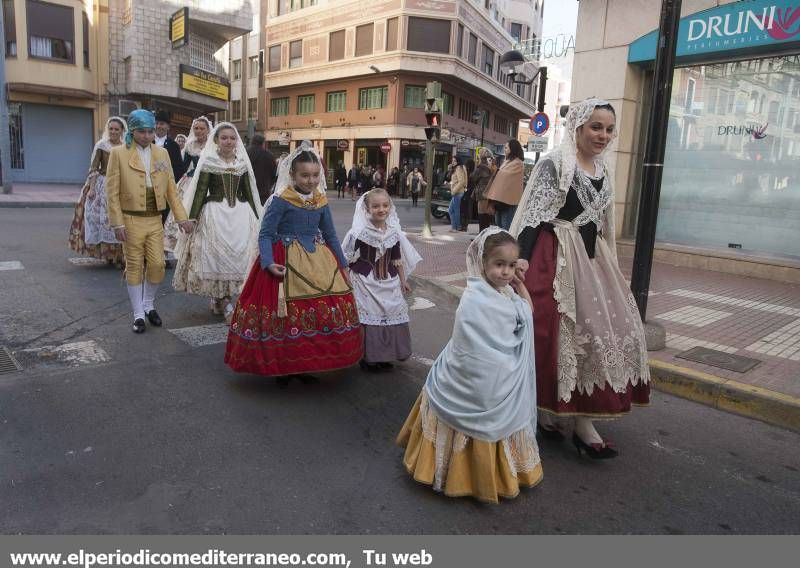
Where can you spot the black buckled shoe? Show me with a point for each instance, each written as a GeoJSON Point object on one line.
{"type": "Point", "coordinates": [138, 325]}
{"type": "Point", "coordinates": [154, 318]}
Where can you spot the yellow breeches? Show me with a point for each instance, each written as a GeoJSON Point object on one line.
{"type": "Point", "coordinates": [145, 241]}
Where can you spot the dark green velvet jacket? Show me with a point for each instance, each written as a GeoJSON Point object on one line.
{"type": "Point", "coordinates": [212, 187]}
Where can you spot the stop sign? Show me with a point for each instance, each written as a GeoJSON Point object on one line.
{"type": "Point", "coordinates": [386, 147]}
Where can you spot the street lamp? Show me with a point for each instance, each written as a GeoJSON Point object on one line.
{"type": "Point", "coordinates": [480, 115]}
{"type": "Point", "coordinates": [511, 60]}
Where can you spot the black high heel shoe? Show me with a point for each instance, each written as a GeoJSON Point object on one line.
{"type": "Point", "coordinates": [550, 433]}
{"type": "Point", "coordinates": [594, 451]}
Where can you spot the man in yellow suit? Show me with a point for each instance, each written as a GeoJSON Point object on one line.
{"type": "Point", "coordinates": [139, 185]}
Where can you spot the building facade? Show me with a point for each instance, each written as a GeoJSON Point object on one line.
{"type": "Point", "coordinates": [244, 56]}
{"type": "Point", "coordinates": [730, 196]}
{"type": "Point", "coordinates": [350, 76]}
{"type": "Point", "coordinates": [56, 57]}
{"type": "Point", "coordinates": [186, 77]}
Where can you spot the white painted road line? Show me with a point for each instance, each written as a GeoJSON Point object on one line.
{"type": "Point", "coordinates": [87, 261]}
{"type": "Point", "coordinates": [453, 277]}
{"type": "Point", "coordinates": [200, 335]}
{"type": "Point", "coordinates": [73, 354]}
{"type": "Point", "coordinates": [424, 360]}
{"type": "Point", "coordinates": [11, 265]}
{"type": "Point", "coordinates": [422, 304]}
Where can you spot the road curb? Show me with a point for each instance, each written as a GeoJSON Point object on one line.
{"type": "Point", "coordinates": [717, 392]}
{"type": "Point", "coordinates": [35, 204]}
{"type": "Point", "coordinates": [726, 394]}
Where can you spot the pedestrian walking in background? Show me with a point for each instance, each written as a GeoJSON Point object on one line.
{"type": "Point", "coordinates": [90, 232]}
{"type": "Point", "coordinates": [480, 180]}
{"type": "Point", "coordinates": [163, 140]}
{"type": "Point", "coordinates": [381, 259]}
{"type": "Point", "coordinates": [296, 313]}
{"type": "Point", "coordinates": [180, 140]}
{"type": "Point", "coordinates": [379, 177]}
{"type": "Point", "coordinates": [467, 202]}
{"type": "Point", "coordinates": [134, 211]}
{"type": "Point", "coordinates": [353, 178]}
{"type": "Point", "coordinates": [472, 428]}
{"type": "Point", "coordinates": [591, 356]}
{"type": "Point", "coordinates": [458, 185]}
{"type": "Point", "coordinates": [224, 205]}
{"type": "Point", "coordinates": [393, 182]}
{"type": "Point", "coordinates": [198, 136]}
{"type": "Point", "coordinates": [505, 190]}
{"type": "Point", "coordinates": [340, 179]}
{"type": "Point", "coordinates": [403, 181]}
{"type": "Point", "coordinates": [416, 183]}
{"type": "Point", "coordinates": [264, 166]}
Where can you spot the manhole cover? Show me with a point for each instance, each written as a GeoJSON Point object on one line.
{"type": "Point", "coordinates": [719, 359]}
{"type": "Point", "coordinates": [7, 362]}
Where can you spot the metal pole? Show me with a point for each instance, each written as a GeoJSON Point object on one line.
{"type": "Point", "coordinates": [483, 125]}
{"type": "Point", "coordinates": [430, 148]}
{"type": "Point", "coordinates": [541, 96]}
{"type": "Point", "coordinates": [5, 142]}
{"type": "Point", "coordinates": [655, 145]}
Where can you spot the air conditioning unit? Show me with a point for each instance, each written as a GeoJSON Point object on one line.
{"type": "Point", "coordinates": [126, 107]}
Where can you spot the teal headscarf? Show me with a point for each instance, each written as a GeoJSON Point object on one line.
{"type": "Point", "coordinates": [138, 120]}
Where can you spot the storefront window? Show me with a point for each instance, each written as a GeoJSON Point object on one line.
{"type": "Point", "coordinates": [732, 165]}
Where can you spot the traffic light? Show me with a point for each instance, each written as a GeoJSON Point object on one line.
{"type": "Point", "coordinates": [433, 118]}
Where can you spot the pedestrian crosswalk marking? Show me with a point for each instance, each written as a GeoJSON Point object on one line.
{"type": "Point", "coordinates": [424, 360]}
{"type": "Point", "coordinates": [72, 354]}
{"type": "Point", "coordinates": [201, 335]}
{"type": "Point", "coordinates": [421, 304]}
{"type": "Point", "coordinates": [87, 261]}
{"type": "Point", "coordinates": [11, 265]}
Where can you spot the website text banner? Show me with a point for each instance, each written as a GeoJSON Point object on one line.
{"type": "Point", "coordinates": [397, 551]}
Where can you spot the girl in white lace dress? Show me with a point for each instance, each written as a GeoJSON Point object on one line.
{"type": "Point", "coordinates": [591, 357]}
{"type": "Point", "coordinates": [471, 431]}
{"type": "Point", "coordinates": [381, 259]}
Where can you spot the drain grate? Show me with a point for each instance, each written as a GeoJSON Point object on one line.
{"type": "Point", "coordinates": [7, 362]}
{"type": "Point", "coordinates": [719, 359]}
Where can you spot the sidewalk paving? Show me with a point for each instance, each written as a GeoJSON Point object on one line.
{"type": "Point", "coordinates": [41, 195]}
{"type": "Point", "coordinates": [749, 317]}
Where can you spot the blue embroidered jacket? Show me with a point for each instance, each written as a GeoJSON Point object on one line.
{"type": "Point", "coordinates": [286, 222]}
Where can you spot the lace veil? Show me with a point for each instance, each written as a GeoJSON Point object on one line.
{"type": "Point", "coordinates": [105, 142]}
{"type": "Point", "coordinates": [192, 146]}
{"type": "Point", "coordinates": [363, 230]}
{"type": "Point", "coordinates": [475, 251]}
{"type": "Point", "coordinates": [285, 166]}
{"type": "Point", "coordinates": [548, 184]}
{"type": "Point", "coordinates": [210, 161]}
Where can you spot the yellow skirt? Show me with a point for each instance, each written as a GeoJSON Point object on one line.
{"type": "Point", "coordinates": [466, 466]}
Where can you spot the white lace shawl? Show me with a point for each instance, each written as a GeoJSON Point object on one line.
{"type": "Point", "coordinates": [363, 230]}
{"type": "Point", "coordinates": [549, 183]}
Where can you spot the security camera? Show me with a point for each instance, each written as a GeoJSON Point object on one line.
{"type": "Point", "coordinates": [375, 69]}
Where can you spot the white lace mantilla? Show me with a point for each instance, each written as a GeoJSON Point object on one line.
{"type": "Point", "coordinates": [521, 449]}
{"type": "Point", "coordinates": [601, 336]}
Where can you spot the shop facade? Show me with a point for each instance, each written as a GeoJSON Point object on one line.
{"type": "Point", "coordinates": [731, 181]}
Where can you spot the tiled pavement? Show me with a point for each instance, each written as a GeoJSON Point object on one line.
{"type": "Point", "coordinates": [754, 318]}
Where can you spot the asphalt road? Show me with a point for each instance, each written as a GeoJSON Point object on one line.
{"type": "Point", "coordinates": [108, 432]}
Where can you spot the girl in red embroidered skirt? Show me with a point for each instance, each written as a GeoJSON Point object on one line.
{"type": "Point", "coordinates": [296, 313]}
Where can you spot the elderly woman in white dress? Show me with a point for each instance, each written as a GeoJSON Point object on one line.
{"type": "Point", "coordinates": [222, 199]}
